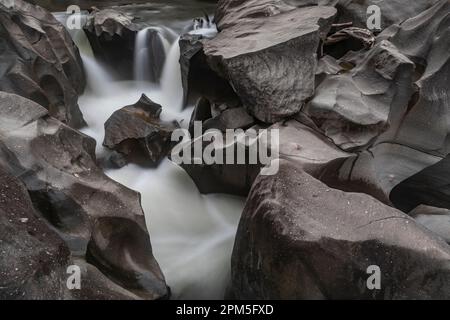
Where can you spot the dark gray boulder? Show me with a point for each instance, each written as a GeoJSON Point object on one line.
{"type": "Point", "coordinates": [138, 133]}
{"type": "Point", "coordinates": [300, 239]}
{"type": "Point", "coordinates": [271, 67]}
{"type": "Point", "coordinates": [101, 221]}
{"type": "Point", "coordinates": [39, 61]}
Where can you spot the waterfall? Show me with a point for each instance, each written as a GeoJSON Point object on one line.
{"type": "Point", "coordinates": [192, 235]}
{"type": "Point", "coordinates": [151, 48]}
{"type": "Point", "coordinates": [171, 86]}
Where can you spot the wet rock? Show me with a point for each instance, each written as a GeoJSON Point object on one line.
{"type": "Point", "coordinates": [39, 61]}
{"type": "Point", "coordinates": [271, 67]}
{"type": "Point", "coordinates": [112, 34]}
{"type": "Point", "coordinates": [353, 107]}
{"type": "Point", "coordinates": [300, 239]}
{"type": "Point", "coordinates": [101, 221]}
{"type": "Point", "coordinates": [138, 133]}
{"type": "Point", "coordinates": [198, 79]}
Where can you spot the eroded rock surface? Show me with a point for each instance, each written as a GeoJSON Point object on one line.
{"type": "Point", "coordinates": [101, 221]}
{"type": "Point", "coordinates": [39, 60]}
{"type": "Point", "coordinates": [268, 56]}
{"type": "Point", "coordinates": [300, 239]}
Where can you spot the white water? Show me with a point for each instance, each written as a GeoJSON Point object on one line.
{"type": "Point", "coordinates": [192, 234]}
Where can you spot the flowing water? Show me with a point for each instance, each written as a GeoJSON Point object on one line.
{"type": "Point", "coordinates": [192, 234]}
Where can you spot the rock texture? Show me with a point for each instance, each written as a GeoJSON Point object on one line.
{"type": "Point", "coordinates": [300, 239]}
{"type": "Point", "coordinates": [101, 221]}
{"type": "Point", "coordinates": [39, 61]}
{"type": "Point", "coordinates": [138, 133]}
{"type": "Point", "coordinates": [353, 107]}
{"type": "Point", "coordinates": [268, 57]}
{"type": "Point", "coordinates": [33, 257]}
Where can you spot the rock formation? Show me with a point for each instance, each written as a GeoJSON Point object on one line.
{"type": "Point", "coordinates": [39, 61]}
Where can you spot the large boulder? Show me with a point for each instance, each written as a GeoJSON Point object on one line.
{"type": "Point", "coordinates": [138, 133]}
{"type": "Point", "coordinates": [101, 221]}
{"type": "Point", "coordinates": [39, 60]}
{"type": "Point", "coordinates": [353, 107]}
{"type": "Point", "coordinates": [269, 57]}
{"type": "Point", "coordinates": [300, 239]}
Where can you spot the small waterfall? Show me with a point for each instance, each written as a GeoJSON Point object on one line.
{"type": "Point", "coordinates": [151, 47]}
{"type": "Point", "coordinates": [171, 86]}
{"type": "Point", "coordinates": [98, 80]}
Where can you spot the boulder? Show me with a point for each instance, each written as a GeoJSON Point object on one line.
{"type": "Point", "coordinates": [353, 107]}
{"type": "Point", "coordinates": [235, 118]}
{"type": "Point", "coordinates": [269, 57]}
{"type": "Point", "coordinates": [39, 61]}
{"type": "Point", "coordinates": [138, 133]}
{"type": "Point", "coordinates": [101, 221]}
{"type": "Point", "coordinates": [300, 239]}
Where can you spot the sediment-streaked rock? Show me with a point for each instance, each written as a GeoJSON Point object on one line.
{"type": "Point", "coordinates": [300, 239]}
{"type": "Point", "coordinates": [39, 60]}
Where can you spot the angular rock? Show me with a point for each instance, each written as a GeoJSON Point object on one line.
{"type": "Point", "coordinates": [417, 136]}
{"type": "Point", "coordinates": [271, 67]}
{"type": "Point", "coordinates": [235, 177]}
{"type": "Point", "coordinates": [39, 61]}
{"type": "Point", "coordinates": [353, 107]}
{"type": "Point", "coordinates": [300, 239]}
{"type": "Point", "coordinates": [101, 221]}
{"type": "Point", "coordinates": [138, 133]}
